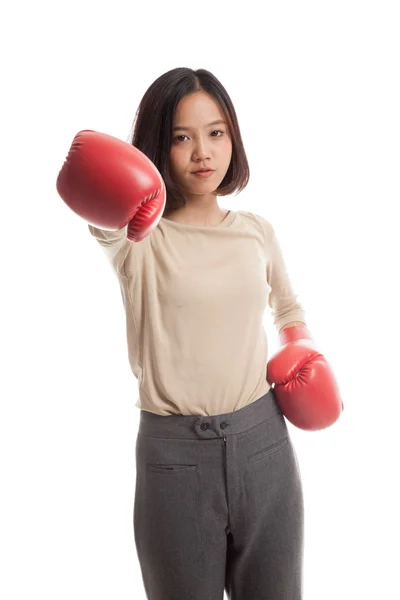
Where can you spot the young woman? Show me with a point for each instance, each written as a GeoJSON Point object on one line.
{"type": "Point", "coordinates": [218, 502]}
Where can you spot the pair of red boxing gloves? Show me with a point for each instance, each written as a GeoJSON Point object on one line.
{"type": "Point", "coordinates": [112, 185]}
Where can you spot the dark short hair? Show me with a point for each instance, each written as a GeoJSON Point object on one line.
{"type": "Point", "coordinates": [152, 131]}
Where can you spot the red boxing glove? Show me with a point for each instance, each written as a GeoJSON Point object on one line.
{"type": "Point", "coordinates": [305, 386]}
{"type": "Point", "coordinates": [111, 184]}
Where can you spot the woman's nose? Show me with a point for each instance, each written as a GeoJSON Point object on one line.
{"type": "Point", "coordinates": [201, 149]}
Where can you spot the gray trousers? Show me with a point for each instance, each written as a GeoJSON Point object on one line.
{"type": "Point", "coordinates": [219, 506]}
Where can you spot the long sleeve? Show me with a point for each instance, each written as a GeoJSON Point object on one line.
{"type": "Point", "coordinates": [283, 301]}
{"type": "Point", "coordinates": [115, 245]}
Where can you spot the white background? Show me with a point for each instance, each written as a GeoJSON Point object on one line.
{"type": "Point", "coordinates": [316, 90]}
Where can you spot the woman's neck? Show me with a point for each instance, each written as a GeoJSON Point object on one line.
{"type": "Point", "coordinates": [192, 217]}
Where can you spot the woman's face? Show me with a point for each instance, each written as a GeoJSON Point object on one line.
{"type": "Point", "coordinates": [199, 143]}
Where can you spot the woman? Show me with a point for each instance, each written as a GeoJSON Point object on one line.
{"type": "Point", "coordinates": [218, 501]}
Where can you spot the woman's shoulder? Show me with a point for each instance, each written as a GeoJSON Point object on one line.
{"type": "Point", "coordinates": [257, 218]}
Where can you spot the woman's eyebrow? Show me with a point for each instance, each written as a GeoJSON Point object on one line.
{"type": "Point", "coordinates": [180, 127]}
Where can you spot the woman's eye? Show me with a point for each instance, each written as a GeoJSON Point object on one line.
{"type": "Point", "coordinates": [215, 131]}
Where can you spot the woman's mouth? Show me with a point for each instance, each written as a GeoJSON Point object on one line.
{"type": "Point", "coordinates": [203, 173]}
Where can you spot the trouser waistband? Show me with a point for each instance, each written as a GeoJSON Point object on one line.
{"type": "Point", "coordinates": [223, 425]}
